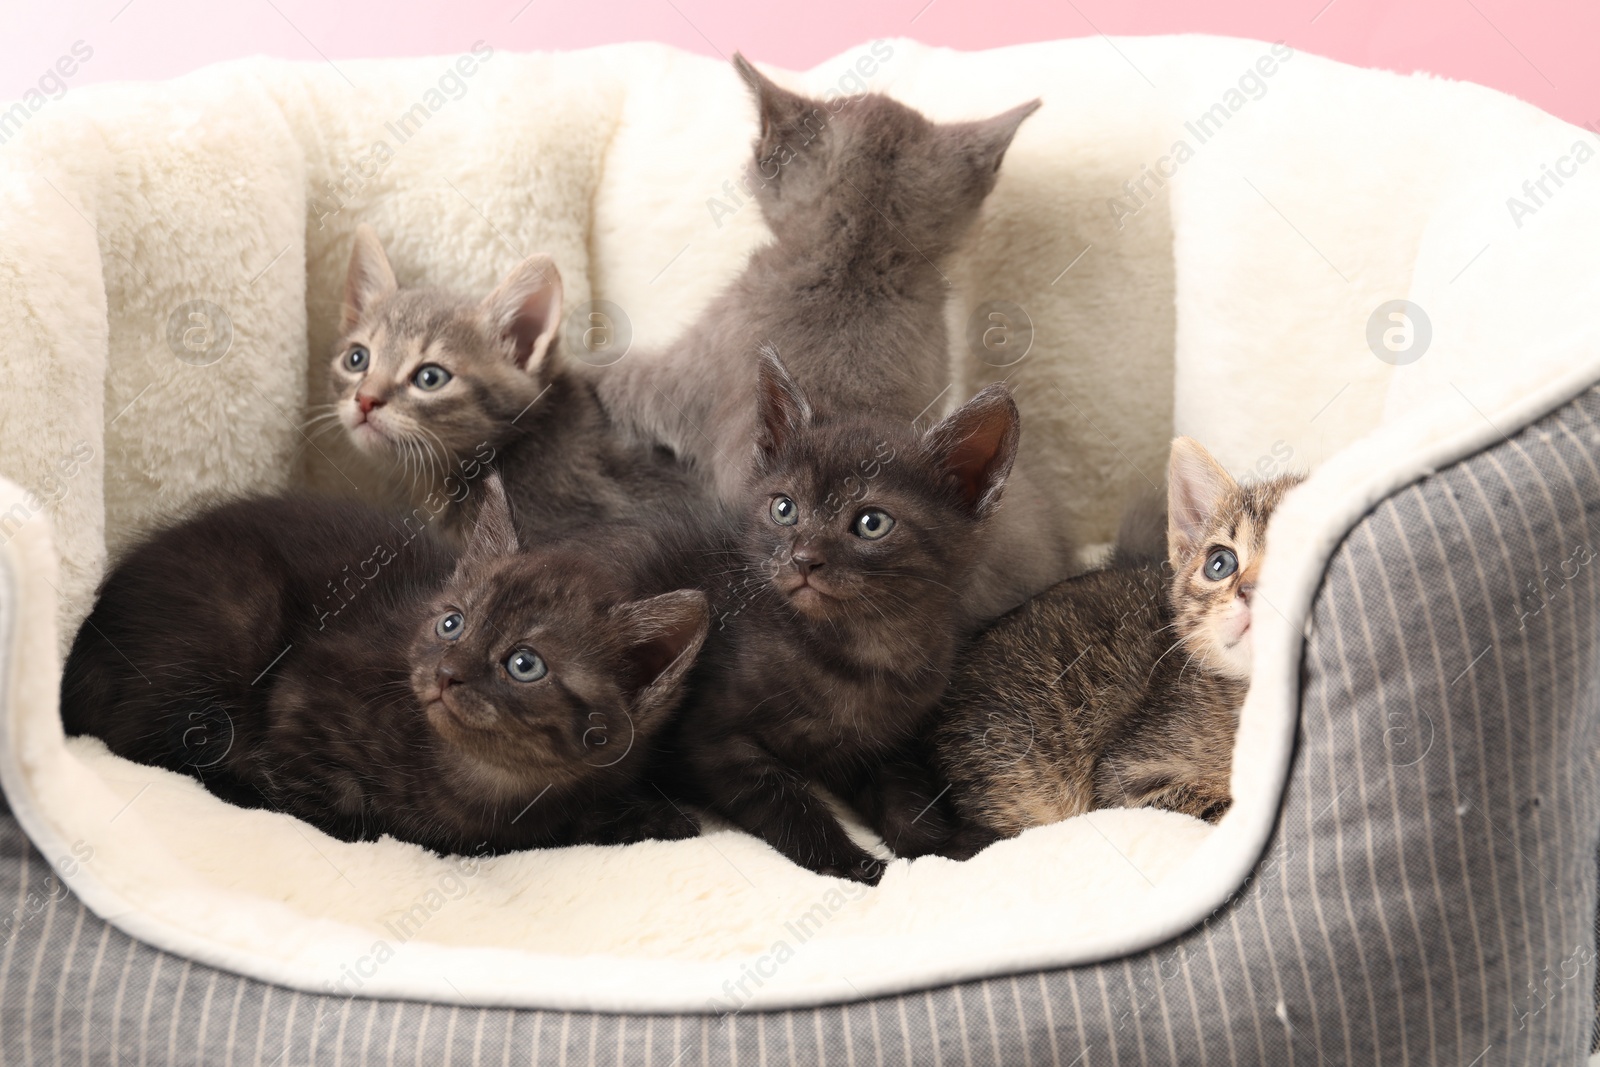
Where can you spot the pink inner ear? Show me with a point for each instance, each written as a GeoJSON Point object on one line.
{"type": "Point", "coordinates": [531, 322]}
{"type": "Point", "coordinates": [783, 408]}
{"type": "Point", "coordinates": [977, 444]}
{"type": "Point", "coordinates": [656, 633]}
{"type": "Point", "coordinates": [653, 657]}
{"type": "Point", "coordinates": [974, 457]}
{"type": "Point", "coordinates": [1196, 487]}
{"type": "Point", "coordinates": [368, 278]}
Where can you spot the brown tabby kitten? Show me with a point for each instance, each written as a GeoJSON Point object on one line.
{"type": "Point", "coordinates": [866, 200]}
{"type": "Point", "coordinates": [493, 701]}
{"type": "Point", "coordinates": [1082, 699]}
{"type": "Point", "coordinates": [430, 384]}
{"type": "Point", "coordinates": [864, 535]}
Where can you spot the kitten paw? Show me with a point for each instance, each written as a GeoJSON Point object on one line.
{"type": "Point", "coordinates": [868, 870]}
{"type": "Point", "coordinates": [967, 842]}
{"type": "Point", "coordinates": [645, 820]}
{"type": "Point", "coordinates": [670, 823]}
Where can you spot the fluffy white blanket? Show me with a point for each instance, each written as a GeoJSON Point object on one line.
{"type": "Point", "coordinates": [1200, 232]}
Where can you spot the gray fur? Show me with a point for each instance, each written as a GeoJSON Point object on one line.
{"type": "Point", "coordinates": [866, 199]}
{"type": "Point", "coordinates": [512, 403]}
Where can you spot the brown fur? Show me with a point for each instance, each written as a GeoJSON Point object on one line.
{"type": "Point", "coordinates": [1118, 688]}
{"type": "Point", "coordinates": [335, 709]}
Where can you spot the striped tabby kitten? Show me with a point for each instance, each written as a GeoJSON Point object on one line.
{"type": "Point", "coordinates": [1118, 688]}
{"type": "Point", "coordinates": [430, 384]}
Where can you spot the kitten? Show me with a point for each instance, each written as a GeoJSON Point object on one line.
{"type": "Point", "coordinates": [866, 534]}
{"type": "Point", "coordinates": [485, 702]}
{"type": "Point", "coordinates": [430, 384]}
{"type": "Point", "coordinates": [1082, 699]}
{"type": "Point", "coordinates": [866, 199]}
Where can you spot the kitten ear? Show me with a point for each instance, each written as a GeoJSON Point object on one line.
{"type": "Point", "coordinates": [369, 278]}
{"type": "Point", "coordinates": [1196, 486]}
{"type": "Point", "coordinates": [988, 139]}
{"type": "Point", "coordinates": [779, 109]}
{"type": "Point", "coordinates": [663, 636]}
{"type": "Point", "coordinates": [494, 534]}
{"type": "Point", "coordinates": [977, 444]}
{"type": "Point", "coordinates": [784, 411]}
{"type": "Point", "coordinates": [524, 311]}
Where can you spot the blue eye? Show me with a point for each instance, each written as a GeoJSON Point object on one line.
{"type": "Point", "coordinates": [1220, 564]}
{"type": "Point", "coordinates": [873, 524]}
{"type": "Point", "coordinates": [430, 376]}
{"type": "Point", "coordinates": [785, 512]}
{"type": "Point", "coordinates": [526, 666]}
{"type": "Point", "coordinates": [357, 359]}
{"type": "Point", "coordinates": [450, 626]}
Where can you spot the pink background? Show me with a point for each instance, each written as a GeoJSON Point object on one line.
{"type": "Point", "coordinates": [1543, 51]}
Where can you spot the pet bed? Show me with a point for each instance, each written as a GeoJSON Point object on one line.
{"type": "Point", "coordinates": [1384, 280]}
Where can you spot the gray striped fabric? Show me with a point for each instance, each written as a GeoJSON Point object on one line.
{"type": "Point", "coordinates": [1429, 895]}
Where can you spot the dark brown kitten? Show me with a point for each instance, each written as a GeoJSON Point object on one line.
{"type": "Point", "coordinates": [429, 385]}
{"type": "Point", "coordinates": [861, 536]}
{"type": "Point", "coordinates": [1119, 688]}
{"type": "Point", "coordinates": [866, 199]}
{"type": "Point", "coordinates": [321, 659]}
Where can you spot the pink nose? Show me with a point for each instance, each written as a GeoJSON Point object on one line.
{"type": "Point", "coordinates": [1246, 591]}
{"type": "Point", "coordinates": [367, 403]}
{"type": "Point", "coordinates": [445, 674]}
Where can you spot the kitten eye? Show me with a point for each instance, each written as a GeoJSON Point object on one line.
{"type": "Point", "coordinates": [450, 626]}
{"type": "Point", "coordinates": [785, 512]}
{"type": "Point", "coordinates": [872, 524]}
{"type": "Point", "coordinates": [357, 359]}
{"type": "Point", "coordinates": [1220, 564]}
{"type": "Point", "coordinates": [429, 377]}
{"type": "Point", "coordinates": [526, 666]}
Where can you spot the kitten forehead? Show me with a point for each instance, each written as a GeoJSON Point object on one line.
{"type": "Point", "coordinates": [1243, 513]}
{"type": "Point", "coordinates": [539, 590]}
{"type": "Point", "coordinates": [831, 455]}
{"type": "Point", "coordinates": [869, 469]}
{"type": "Point", "coordinates": [433, 316]}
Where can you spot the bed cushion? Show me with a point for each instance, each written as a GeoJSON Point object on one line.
{"type": "Point", "coordinates": [1427, 895]}
{"type": "Point", "coordinates": [1259, 261]}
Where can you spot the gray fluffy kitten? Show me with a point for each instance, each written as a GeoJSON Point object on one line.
{"type": "Point", "coordinates": [865, 198]}
{"type": "Point", "coordinates": [432, 385]}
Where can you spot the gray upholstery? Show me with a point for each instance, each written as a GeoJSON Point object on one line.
{"type": "Point", "coordinates": [1429, 895]}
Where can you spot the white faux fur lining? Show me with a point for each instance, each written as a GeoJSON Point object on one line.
{"type": "Point", "coordinates": [617, 929]}
{"type": "Point", "coordinates": [1306, 531]}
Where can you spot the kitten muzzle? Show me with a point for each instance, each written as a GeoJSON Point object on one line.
{"type": "Point", "coordinates": [807, 594]}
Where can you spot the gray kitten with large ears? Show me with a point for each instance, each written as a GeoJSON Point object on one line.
{"type": "Point", "coordinates": [866, 198]}
{"type": "Point", "coordinates": [433, 385]}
